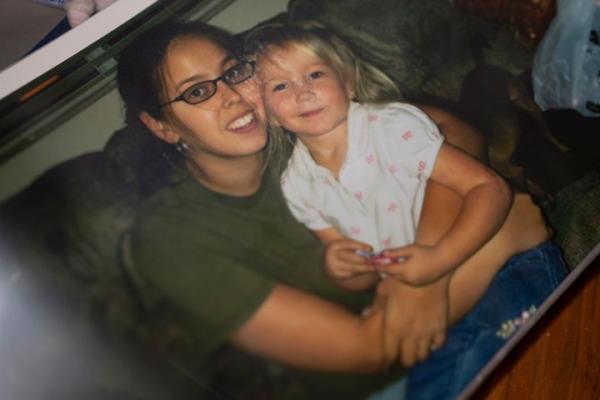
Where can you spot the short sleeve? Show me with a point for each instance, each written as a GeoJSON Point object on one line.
{"type": "Point", "coordinates": [304, 207]}
{"type": "Point", "coordinates": [212, 293]}
{"type": "Point", "coordinates": [412, 138]}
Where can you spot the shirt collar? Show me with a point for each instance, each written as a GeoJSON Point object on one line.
{"type": "Point", "coordinates": [358, 132]}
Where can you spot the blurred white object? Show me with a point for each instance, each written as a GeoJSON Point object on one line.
{"type": "Point", "coordinates": [566, 67]}
{"type": "Point", "coordinates": [79, 11]}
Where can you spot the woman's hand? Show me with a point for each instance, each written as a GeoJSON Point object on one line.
{"type": "Point", "coordinates": [415, 319]}
{"type": "Point", "coordinates": [342, 259]}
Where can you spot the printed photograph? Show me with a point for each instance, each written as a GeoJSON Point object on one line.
{"type": "Point", "coordinates": [299, 199]}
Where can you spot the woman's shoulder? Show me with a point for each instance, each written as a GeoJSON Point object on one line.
{"type": "Point", "coordinates": [374, 111]}
{"type": "Point", "coordinates": [392, 118]}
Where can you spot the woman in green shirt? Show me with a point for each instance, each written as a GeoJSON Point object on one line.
{"type": "Point", "coordinates": [220, 245]}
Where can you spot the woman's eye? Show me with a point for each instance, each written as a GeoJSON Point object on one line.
{"type": "Point", "coordinates": [199, 91]}
{"type": "Point", "coordinates": [232, 74]}
{"type": "Point", "coordinates": [316, 74]}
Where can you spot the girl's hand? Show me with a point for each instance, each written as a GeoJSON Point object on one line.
{"type": "Point", "coordinates": [416, 265]}
{"type": "Point", "coordinates": [343, 261]}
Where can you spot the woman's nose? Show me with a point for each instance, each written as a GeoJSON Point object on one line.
{"type": "Point", "coordinates": [228, 94]}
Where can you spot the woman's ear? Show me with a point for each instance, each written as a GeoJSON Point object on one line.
{"type": "Point", "coordinates": [350, 92]}
{"type": "Point", "coordinates": [160, 129]}
{"type": "Point", "coordinates": [350, 85]}
{"type": "Point", "coordinates": [274, 122]}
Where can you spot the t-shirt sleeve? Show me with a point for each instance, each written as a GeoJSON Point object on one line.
{"type": "Point", "coordinates": [412, 138]}
{"type": "Point", "coordinates": [297, 192]}
{"type": "Point", "coordinates": [211, 293]}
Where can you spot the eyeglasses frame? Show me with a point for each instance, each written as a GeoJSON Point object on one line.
{"type": "Point", "coordinates": [214, 82]}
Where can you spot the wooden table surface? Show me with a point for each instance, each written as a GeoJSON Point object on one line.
{"type": "Point", "coordinates": [560, 357]}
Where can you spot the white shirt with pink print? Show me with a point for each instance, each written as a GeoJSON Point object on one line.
{"type": "Point", "coordinates": [378, 197]}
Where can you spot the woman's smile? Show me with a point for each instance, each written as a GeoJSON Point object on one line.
{"type": "Point", "coordinates": [208, 128]}
{"type": "Point", "coordinates": [244, 124]}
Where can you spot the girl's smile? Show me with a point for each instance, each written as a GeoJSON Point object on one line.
{"type": "Point", "coordinates": [311, 113]}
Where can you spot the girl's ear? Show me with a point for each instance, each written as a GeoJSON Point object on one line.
{"type": "Point", "coordinates": [160, 129]}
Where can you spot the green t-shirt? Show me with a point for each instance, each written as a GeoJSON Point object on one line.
{"type": "Point", "coordinates": [215, 258]}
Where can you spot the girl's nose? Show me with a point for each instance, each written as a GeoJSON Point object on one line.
{"type": "Point", "coordinates": [304, 92]}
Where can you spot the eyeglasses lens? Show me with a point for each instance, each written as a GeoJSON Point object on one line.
{"type": "Point", "coordinates": [205, 90]}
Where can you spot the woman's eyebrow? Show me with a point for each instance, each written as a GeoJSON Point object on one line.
{"type": "Point", "coordinates": [227, 59]}
{"type": "Point", "coordinates": [203, 77]}
{"type": "Point", "coordinates": [193, 78]}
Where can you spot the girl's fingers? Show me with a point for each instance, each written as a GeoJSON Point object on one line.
{"type": "Point", "coordinates": [353, 258]}
{"type": "Point", "coordinates": [347, 244]}
{"type": "Point", "coordinates": [399, 252]}
{"type": "Point", "coordinates": [356, 268]}
{"type": "Point", "coordinates": [393, 268]}
{"type": "Point", "coordinates": [343, 269]}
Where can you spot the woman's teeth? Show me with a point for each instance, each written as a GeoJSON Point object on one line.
{"type": "Point", "coordinates": [241, 122]}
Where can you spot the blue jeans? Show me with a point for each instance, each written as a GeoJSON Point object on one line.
{"type": "Point", "coordinates": [516, 291]}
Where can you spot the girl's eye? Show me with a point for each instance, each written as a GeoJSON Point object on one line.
{"type": "Point", "coordinates": [316, 74]}
{"type": "Point", "coordinates": [279, 87]}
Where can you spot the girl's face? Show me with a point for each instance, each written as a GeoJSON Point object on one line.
{"type": "Point", "coordinates": [231, 123]}
{"type": "Point", "coordinates": [301, 92]}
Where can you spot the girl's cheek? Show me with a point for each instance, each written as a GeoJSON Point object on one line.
{"type": "Point", "coordinates": [272, 108]}
{"type": "Point", "coordinates": [283, 108]}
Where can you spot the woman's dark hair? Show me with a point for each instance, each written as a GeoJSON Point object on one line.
{"type": "Point", "coordinates": [142, 88]}
{"type": "Point", "coordinates": [139, 73]}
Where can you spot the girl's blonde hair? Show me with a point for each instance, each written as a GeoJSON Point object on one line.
{"type": "Point", "coordinates": [367, 83]}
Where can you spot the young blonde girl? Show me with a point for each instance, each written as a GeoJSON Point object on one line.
{"type": "Point", "coordinates": [358, 173]}
{"type": "Point", "coordinates": [359, 169]}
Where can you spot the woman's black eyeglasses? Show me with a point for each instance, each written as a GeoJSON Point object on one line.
{"type": "Point", "coordinates": [204, 90]}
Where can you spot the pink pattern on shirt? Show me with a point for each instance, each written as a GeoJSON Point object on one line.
{"type": "Point", "coordinates": [326, 181]}
{"type": "Point", "coordinates": [370, 158]}
{"type": "Point", "coordinates": [359, 196]}
{"type": "Point", "coordinates": [422, 165]}
{"type": "Point", "coordinates": [372, 117]}
{"type": "Point", "coordinates": [407, 135]}
{"type": "Point", "coordinates": [392, 207]}
{"type": "Point", "coordinates": [387, 242]}
{"type": "Point", "coordinates": [354, 231]}
{"type": "Point", "coordinates": [392, 168]}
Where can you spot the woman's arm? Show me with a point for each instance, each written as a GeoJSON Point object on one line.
{"type": "Point", "coordinates": [458, 133]}
{"type": "Point", "coordinates": [305, 331]}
